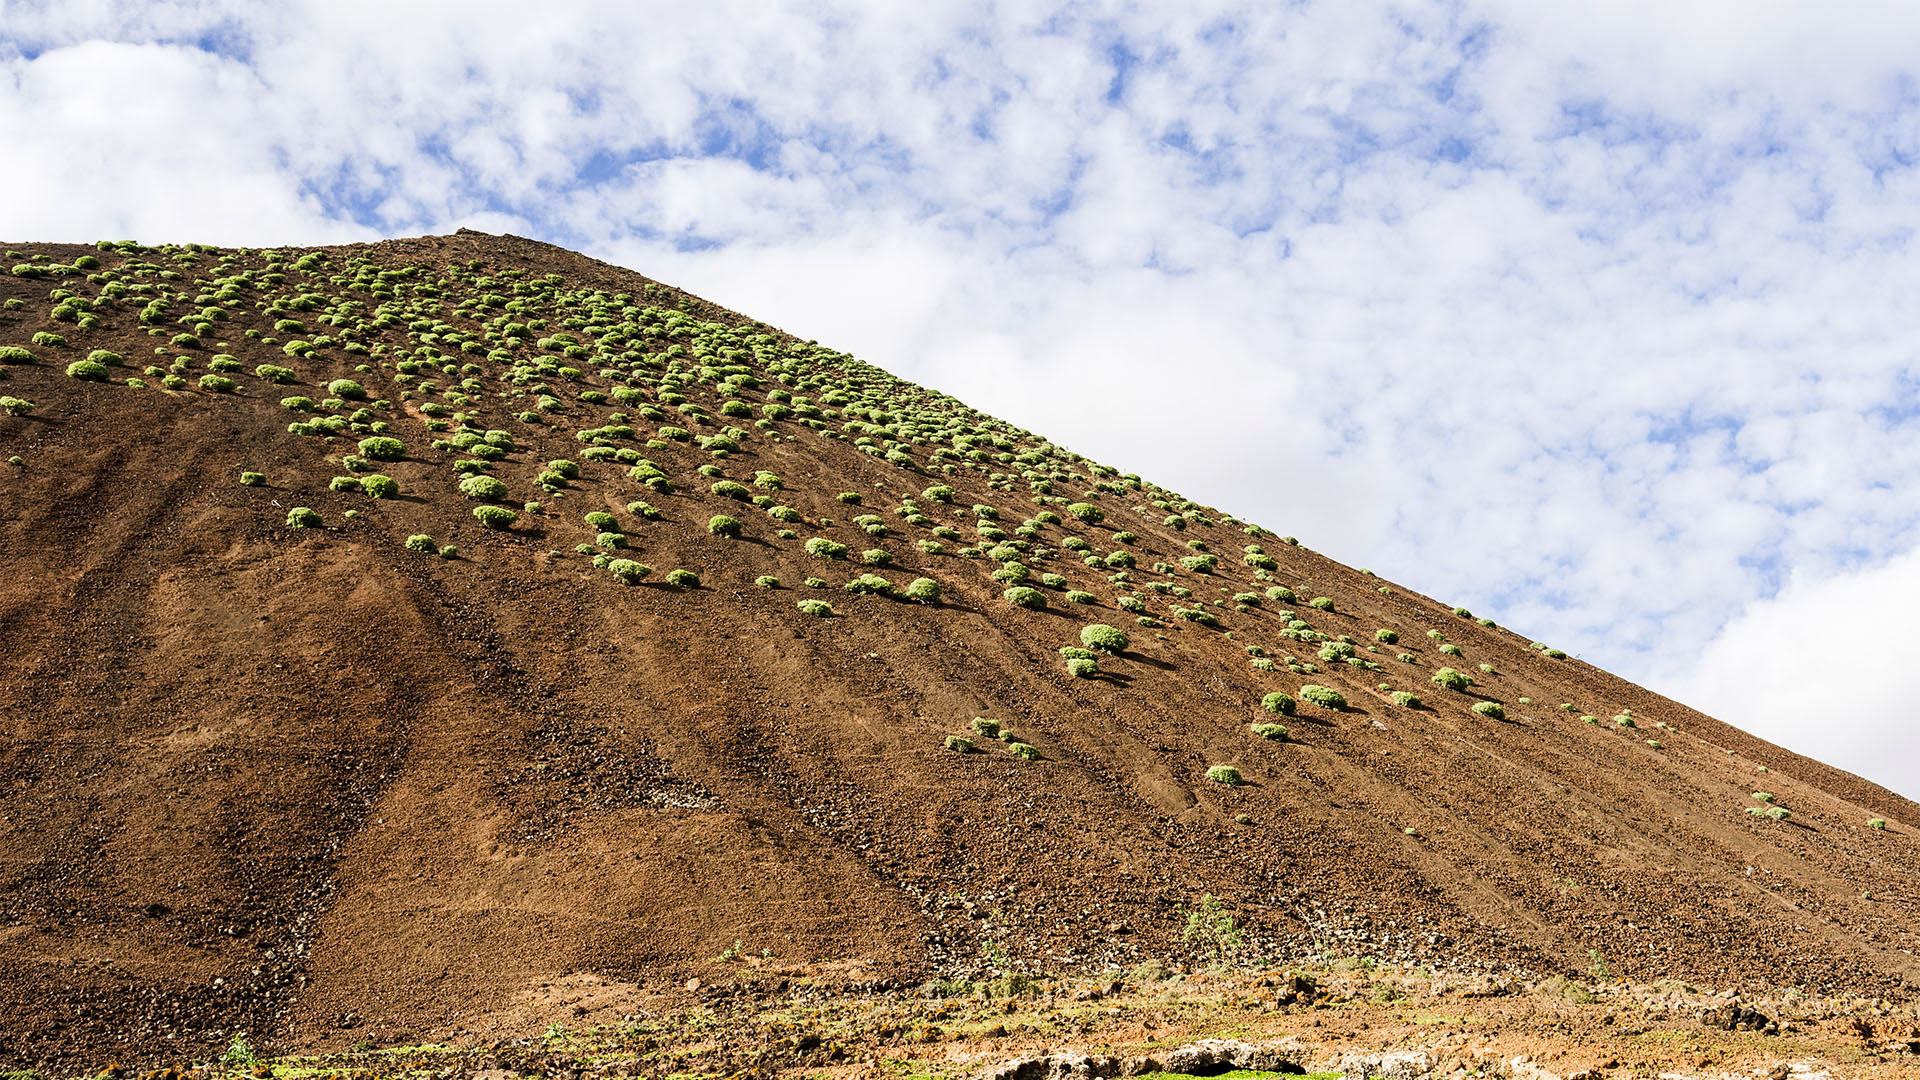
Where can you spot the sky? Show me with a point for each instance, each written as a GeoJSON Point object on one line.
{"type": "Point", "coordinates": [1593, 317]}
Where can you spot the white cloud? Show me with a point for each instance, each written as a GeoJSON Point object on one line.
{"type": "Point", "coordinates": [1826, 663]}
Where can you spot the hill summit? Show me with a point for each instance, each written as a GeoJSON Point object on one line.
{"type": "Point", "coordinates": [392, 633]}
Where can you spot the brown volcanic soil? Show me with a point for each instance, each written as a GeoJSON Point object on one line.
{"type": "Point", "coordinates": [313, 786]}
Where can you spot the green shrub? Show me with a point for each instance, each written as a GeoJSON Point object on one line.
{"type": "Point", "coordinates": [420, 543]}
{"type": "Point", "coordinates": [1490, 709]}
{"type": "Point", "coordinates": [1320, 603]}
{"type": "Point", "coordinates": [1450, 649]}
{"type": "Point", "coordinates": [989, 729]}
{"type": "Point", "coordinates": [495, 517]}
{"type": "Point", "coordinates": [298, 403]}
{"type": "Point", "coordinates": [1023, 751]}
{"type": "Point", "coordinates": [923, 590]}
{"type": "Point", "coordinates": [1553, 654]}
{"type": "Point", "coordinates": [822, 548]}
{"type": "Point", "coordinates": [1022, 596]}
{"type": "Point", "coordinates": [1877, 823]}
{"type": "Point", "coordinates": [876, 557]}
{"type": "Point", "coordinates": [49, 341]}
{"type": "Point", "coordinates": [1276, 732]}
{"type": "Point", "coordinates": [1334, 652]}
{"type": "Point", "coordinates": [1487, 669]}
{"type": "Point", "coordinates": [1406, 700]}
{"type": "Point", "coordinates": [217, 384]}
{"type": "Point", "coordinates": [247, 479]}
{"type": "Point", "coordinates": [783, 513]}
{"type": "Point", "coordinates": [482, 486]}
{"type": "Point", "coordinates": [302, 517]}
{"type": "Point", "coordinates": [644, 510]}
{"type": "Point", "coordinates": [960, 744]}
{"type": "Point", "coordinates": [1081, 667]}
{"type": "Point", "coordinates": [1224, 774]}
{"type": "Point", "coordinates": [1463, 613]}
{"type": "Point", "coordinates": [451, 551]}
{"type": "Point", "coordinates": [939, 493]}
{"type": "Point", "coordinates": [819, 609]}
{"type": "Point", "coordinates": [869, 584]}
{"type": "Point", "coordinates": [767, 581]}
{"type": "Point", "coordinates": [1778, 813]}
{"type": "Point", "coordinates": [347, 390]}
{"type": "Point", "coordinates": [1087, 512]}
{"type": "Point", "coordinates": [1386, 637]}
{"type": "Point", "coordinates": [600, 519]}
{"type": "Point", "coordinates": [851, 498]}
{"type": "Point", "coordinates": [608, 540]}
{"type": "Point", "coordinates": [273, 373]}
{"type": "Point", "coordinates": [382, 448]}
{"type": "Point", "coordinates": [15, 354]}
{"type": "Point", "coordinates": [1281, 594]}
{"type": "Point", "coordinates": [379, 486]}
{"type": "Point", "coordinates": [628, 571]}
{"type": "Point", "coordinates": [683, 579]}
{"type": "Point", "coordinates": [1324, 696]}
{"type": "Point", "coordinates": [88, 370]}
{"type": "Point", "coordinates": [1449, 679]}
{"type": "Point", "coordinates": [1103, 638]}
{"type": "Point", "coordinates": [344, 483]}
{"type": "Point", "coordinates": [1278, 703]}
{"type": "Point", "coordinates": [14, 406]}
{"type": "Point", "coordinates": [727, 489]}
{"type": "Point", "coordinates": [722, 525]}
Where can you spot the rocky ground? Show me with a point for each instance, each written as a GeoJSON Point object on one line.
{"type": "Point", "coordinates": [1340, 1019]}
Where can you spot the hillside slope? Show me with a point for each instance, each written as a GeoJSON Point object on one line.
{"type": "Point", "coordinates": [317, 785]}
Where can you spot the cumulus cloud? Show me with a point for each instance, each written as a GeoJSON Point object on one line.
{"type": "Point", "coordinates": [1589, 317]}
{"type": "Point", "coordinates": [1850, 697]}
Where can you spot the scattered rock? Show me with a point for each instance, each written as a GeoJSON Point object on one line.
{"type": "Point", "coordinates": [1734, 1016]}
{"type": "Point", "coordinates": [1055, 1065]}
{"type": "Point", "coordinates": [1210, 1057]}
{"type": "Point", "coordinates": [1388, 1065]}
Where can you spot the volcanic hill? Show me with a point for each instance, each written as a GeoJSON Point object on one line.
{"type": "Point", "coordinates": [391, 632]}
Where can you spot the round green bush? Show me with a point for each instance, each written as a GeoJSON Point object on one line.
{"type": "Point", "coordinates": [1324, 696]}
{"type": "Point", "coordinates": [420, 543]}
{"type": "Point", "coordinates": [273, 373]}
{"type": "Point", "coordinates": [1104, 638]}
{"type": "Point", "coordinates": [923, 590]}
{"type": "Point", "coordinates": [1277, 702]}
{"type": "Point", "coordinates": [1083, 667]}
{"type": "Point", "coordinates": [1023, 751]}
{"type": "Point", "coordinates": [1321, 603]}
{"type": "Point", "coordinates": [1276, 732]}
{"type": "Point", "coordinates": [247, 479]}
{"type": "Point", "coordinates": [1406, 700]}
{"type": "Point", "coordinates": [1224, 774]}
{"type": "Point", "coordinates": [1087, 512]}
{"type": "Point", "coordinates": [876, 557]}
{"type": "Point", "coordinates": [379, 485]}
{"type": "Point", "coordinates": [495, 517]}
{"type": "Point", "coordinates": [1023, 597]}
{"type": "Point", "coordinates": [344, 483]}
{"type": "Point", "coordinates": [14, 406]}
{"type": "Point", "coordinates": [88, 370]}
{"type": "Point", "coordinates": [347, 389]}
{"type": "Point", "coordinates": [482, 486]}
{"type": "Point", "coordinates": [1449, 679]}
{"type": "Point", "coordinates": [767, 581]}
{"type": "Point", "coordinates": [722, 525]}
{"type": "Point", "coordinates": [107, 357]}
{"type": "Point", "coordinates": [939, 493]}
{"type": "Point", "coordinates": [1490, 709]}
{"type": "Point", "coordinates": [819, 609]}
{"type": "Point", "coordinates": [15, 354]}
{"type": "Point", "coordinates": [822, 548]}
{"type": "Point", "coordinates": [1878, 824]}
{"type": "Point", "coordinates": [628, 571]}
{"type": "Point", "coordinates": [960, 744]}
{"type": "Point", "coordinates": [683, 579]}
{"type": "Point", "coordinates": [1386, 637]}
{"type": "Point", "coordinates": [382, 448]}
{"type": "Point", "coordinates": [302, 517]}
{"type": "Point", "coordinates": [217, 384]}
